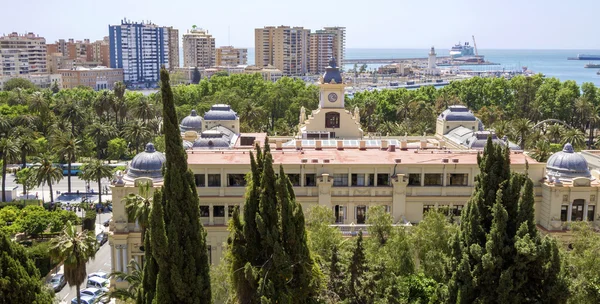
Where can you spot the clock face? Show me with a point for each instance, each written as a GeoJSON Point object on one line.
{"type": "Point", "coordinates": [332, 97]}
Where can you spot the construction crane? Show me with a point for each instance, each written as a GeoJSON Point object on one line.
{"type": "Point", "coordinates": [476, 53]}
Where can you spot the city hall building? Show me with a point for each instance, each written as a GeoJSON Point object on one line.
{"type": "Point", "coordinates": [332, 163]}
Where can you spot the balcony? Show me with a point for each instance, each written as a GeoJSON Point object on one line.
{"type": "Point", "coordinates": [350, 230]}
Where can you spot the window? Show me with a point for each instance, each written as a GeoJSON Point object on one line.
{"type": "Point", "coordinates": [204, 211]}
{"type": "Point", "coordinates": [564, 209]}
{"type": "Point", "coordinates": [332, 120]}
{"type": "Point", "coordinates": [199, 180]}
{"type": "Point", "coordinates": [310, 180]}
{"type": "Point", "coordinates": [426, 208]}
{"type": "Point", "coordinates": [371, 180]}
{"type": "Point", "coordinates": [340, 180]}
{"type": "Point", "coordinates": [383, 179]}
{"type": "Point", "coordinates": [358, 179]}
{"type": "Point", "coordinates": [457, 179]}
{"type": "Point", "coordinates": [236, 180]}
{"type": "Point", "coordinates": [577, 210]}
{"type": "Point", "coordinates": [414, 179]}
{"type": "Point", "coordinates": [590, 214]}
{"type": "Point", "coordinates": [294, 179]}
{"type": "Point", "coordinates": [457, 210]}
{"type": "Point", "coordinates": [214, 180]}
{"type": "Point", "coordinates": [433, 179]}
{"type": "Point", "coordinates": [219, 211]}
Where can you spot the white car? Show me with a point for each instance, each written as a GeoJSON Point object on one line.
{"type": "Point", "coordinates": [101, 274]}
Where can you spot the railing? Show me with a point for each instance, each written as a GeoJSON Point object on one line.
{"type": "Point", "coordinates": [353, 229]}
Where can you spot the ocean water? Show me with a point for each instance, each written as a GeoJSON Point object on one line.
{"type": "Point", "coordinates": [552, 63]}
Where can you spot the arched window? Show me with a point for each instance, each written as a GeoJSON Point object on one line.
{"type": "Point", "coordinates": [332, 120]}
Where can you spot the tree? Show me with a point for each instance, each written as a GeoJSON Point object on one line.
{"type": "Point", "coordinates": [117, 147]}
{"type": "Point", "coordinates": [584, 264]}
{"type": "Point", "coordinates": [196, 76]}
{"type": "Point", "coordinates": [100, 132]}
{"type": "Point", "coordinates": [143, 110]}
{"type": "Point", "coordinates": [139, 206]}
{"type": "Point", "coordinates": [74, 249]}
{"type": "Point", "coordinates": [574, 137]}
{"type": "Point", "coordinates": [46, 173]}
{"type": "Point", "coordinates": [18, 83]}
{"type": "Point", "coordinates": [68, 147]}
{"type": "Point", "coordinates": [541, 151]}
{"type": "Point", "coordinates": [72, 112]}
{"type": "Point", "coordinates": [177, 237]}
{"type": "Point", "coordinates": [133, 277]}
{"type": "Point", "coordinates": [357, 269]}
{"type": "Point", "coordinates": [136, 132]}
{"type": "Point", "coordinates": [322, 237]}
{"type": "Point", "coordinates": [380, 224]}
{"type": "Point", "coordinates": [55, 89]}
{"type": "Point", "coordinates": [9, 152]}
{"type": "Point", "coordinates": [21, 282]}
{"type": "Point", "coordinates": [26, 177]}
{"type": "Point", "coordinates": [96, 170]}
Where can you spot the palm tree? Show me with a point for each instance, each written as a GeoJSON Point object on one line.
{"type": "Point", "coordinates": [9, 151]}
{"type": "Point", "coordinates": [38, 103]}
{"type": "Point", "coordinates": [73, 113]}
{"type": "Point", "coordinates": [138, 206]}
{"type": "Point", "coordinates": [555, 132]}
{"type": "Point", "coordinates": [101, 132]}
{"type": "Point", "coordinates": [143, 109]}
{"type": "Point", "coordinates": [96, 170]}
{"type": "Point", "coordinates": [593, 120]}
{"type": "Point", "coordinates": [68, 147]}
{"type": "Point", "coordinates": [118, 104]}
{"type": "Point", "coordinates": [501, 128]}
{"type": "Point", "coordinates": [521, 127]}
{"type": "Point", "coordinates": [46, 173]}
{"type": "Point", "coordinates": [74, 249]}
{"type": "Point", "coordinates": [134, 279]}
{"type": "Point", "coordinates": [103, 102]}
{"type": "Point", "coordinates": [136, 131]}
{"type": "Point", "coordinates": [541, 151]}
{"type": "Point", "coordinates": [575, 137]}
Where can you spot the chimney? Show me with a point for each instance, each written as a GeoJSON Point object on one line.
{"type": "Point", "coordinates": [298, 144]}
{"type": "Point", "coordinates": [391, 148]}
{"type": "Point", "coordinates": [444, 160]}
{"type": "Point", "coordinates": [423, 143]}
{"type": "Point", "coordinates": [340, 145]}
{"type": "Point", "coordinates": [318, 144]}
{"type": "Point", "coordinates": [455, 160]}
{"type": "Point", "coordinates": [403, 144]}
{"type": "Point", "coordinates": [384, 144]}
{"type": "Point", "coordinates": [278, 144]}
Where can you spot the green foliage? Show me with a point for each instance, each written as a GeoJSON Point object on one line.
{"type": "Point", "coordinates": [40, 255]}
{"type": "Point", "coordinates": [177, 237]}
{"type": "Point", "coordinates": [20, 280]}
{"type": "Point", "coordinates": [117, 147]}
{"type": "Point", "coordinates": [196, 76]}
{"type": "Point", "coordinates": [322, 237]}
{"type": "Point", "coordinates": [584, 265]}
{"type": "Point", "coordinates": [18, 83]}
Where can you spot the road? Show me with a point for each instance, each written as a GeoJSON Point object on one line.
{"type": "Point", "coordinates": [62, 186]}
{"type": "Point", "coordinates": [102, 262]}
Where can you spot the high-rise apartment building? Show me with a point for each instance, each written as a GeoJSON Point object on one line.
{"type": "Point", "coordinates": [173, 48]}
{"type": "Point", "coordinates": [141, 49]}
{"type": "Point", "coordinates": [283, 47]}
{"type": "Point", "coordinates": [320, 51]}
{"type": "Point", "coordinates": [99, 51]}
{"type": "Point", "coordinates": [198, 49]}
{"type": "Point", "coordinates": [230, 56]}
{"type": "Point", "coordinates": [22, 54]}
{"type": "Point", "coordinates": [339, 43]}
{"type": "Point", "coordinates": [65, 54]}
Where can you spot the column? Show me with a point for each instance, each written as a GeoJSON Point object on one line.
{"type": "Point", "coordinates": [569, 212]}
{"type": "Point", "coordinates": [302, 176]}
{"type": "Point", "coordinates": [125, 261]}
{"type": "Point", "coordinates": [226, 214]}
{"type": "Point", "coordinates": [422, 176]}
{"type": "Point", "coordinates": [211, 220]}
{"type": "Point", "coordinates": [118, 258]}
{"type": "Point", "coordinates": [351, 213]}
{"type": "Point", "coordinates": [585, 210]}
{"type": "Point", "coordinates": [375, 177]}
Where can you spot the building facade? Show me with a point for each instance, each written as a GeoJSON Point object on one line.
{"type": "Point", "coordinates": [286, 48]}
{"type": "Point", "coordinates": [230, 56]}
{"type": "Point", "coordinates": [173, 48]}
{"type": "Point", "coordinates": [321, 50]}
{"type": "Point", "coordinates": [98, 78]}
{"type": "Point", "coordinates": [140, 50]}
{"type": "Point", "coordinates": [66, 54]}
{"type": "Point", "coordinates": [339, 42]}
{"type": "Point", "coordinates": [42, 81]}
{"type": "Point", "coordinates": [22, 54]}
{"type": "Point", "coordinates": [198, 49]}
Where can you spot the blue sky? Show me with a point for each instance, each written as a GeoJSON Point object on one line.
{"type": "Point", "coordinates": [508, 24]}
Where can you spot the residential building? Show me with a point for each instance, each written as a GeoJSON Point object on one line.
{"type": "Point", "coordinates": [339, 43]}
{"type": "Point", "coordinates": [65, 54]}
{"type": "Point", "coordinates": [99, 51]}
{"type": "Point", "coordinates": [140, 49]}
{"type": "Point", "coordinates": [286, 48]}
{"type": "Point", "coordinates": [269, 73]}
{"type": "Point", "coordinates": [321, 50]}
{"type": "Point", "coordinates": [98, 78]}
{"type": "Point", "coordinates": [230, 56]}
{"type": "Point", "coordinates": [198, 49]}
{"type": "Point", "coordinates": [22, 54]}
{"type": "Point", "coordinates": [407, 175]}
{"type": "Point", "coordinates": [173, 48]}
{"type": "Point", "coordinates": [43, 81]}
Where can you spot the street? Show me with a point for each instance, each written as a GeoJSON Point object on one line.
{"type": "Point", "coordinates": [62, 186]}
{"type": "Point", "coordinates": [102, 262]}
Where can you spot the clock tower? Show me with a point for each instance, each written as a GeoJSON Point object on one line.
{"type": "Point", "coordinates": [332, 87]}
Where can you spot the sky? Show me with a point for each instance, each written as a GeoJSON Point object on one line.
{"type": "Point", "coordinates": [508, 24]}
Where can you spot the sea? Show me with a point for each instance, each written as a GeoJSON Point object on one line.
{"type": "Point", "coordinates": [551, 63]}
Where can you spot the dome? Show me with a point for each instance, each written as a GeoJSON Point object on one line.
{"type": "Point", "coordinates": [193, 122]}
{"type": "Point", "coordinates": [567, 165]}
{"type": "Point", "coordinates": [457, 113]}
{"type": "Point", "coordinates": [146, 164]}
{"type": "Point", "coordinates": [332, 72]}
{"type": "Point", "coordinates": [220, 112]}
{"type": "Point", "coordinates": [187, 145]}
{"type": "Point", "coordinates": [211, 143]}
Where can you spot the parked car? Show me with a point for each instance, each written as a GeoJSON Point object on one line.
{"type": "Point", "coordinates": [98, 283]}
{"type": "Point", "coordinates": [100, 274]}
{"type": "Point", "coordinates": [85, 299]}
{"type": "Point", "coordinates": [96, 293]}
{"type": "Point", "coordinates": [101, 238]}
{"type": "Point", "coordinates": [57, 282]}
{"type": "Point", "coordinates": [106, 223]}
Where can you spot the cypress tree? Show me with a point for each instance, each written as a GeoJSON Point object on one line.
{"type": "Point", "coordinates": [335, 283]}
{"type": "Point", "coordinates": [178, 238]}
{"type": "Point", "coordinates": [356, 272]}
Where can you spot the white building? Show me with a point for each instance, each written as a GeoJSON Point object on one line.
{"type": "Point", "coordinates": [198, 49]}
{"type": "Point", "coordinates": [22, 54]}
{"type": "Point", "coordinates": [43, 81]}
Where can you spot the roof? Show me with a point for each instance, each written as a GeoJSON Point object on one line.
{"type": "Point", "coordinates": [193, 122]}
{"type": "Point", "coordinates": [220, 112]}
{"type": "Point", "coordinates": [566, 164]}
{"type": "Point", "coordinates": [350, 156]}
{"type": "Point", "coordinates": [332, 73]}
{"type": "Point", "coordinates": [146, 164]}
{"type": "Point", "coordinates": [457, 113]}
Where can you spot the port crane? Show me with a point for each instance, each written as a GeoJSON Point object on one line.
{"type": "Point", "coordinates": [476, 53]}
